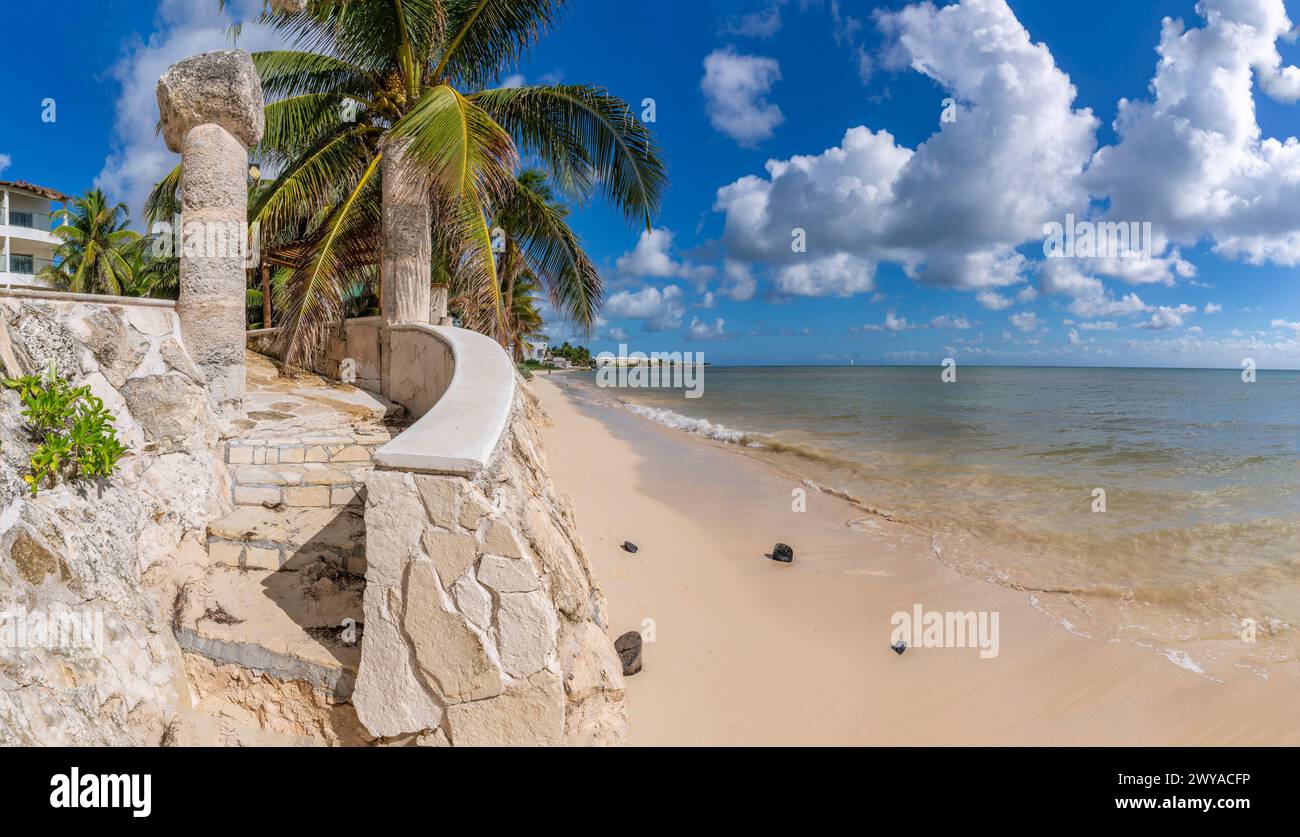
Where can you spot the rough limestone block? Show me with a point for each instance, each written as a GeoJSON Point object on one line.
{"type": "Point", "coordinates": [588, 660]}
{"type": "Point", "coordinates": [219, 88]}
{"type": "Point", "coordinates": [448, 654]}
{"type": "Point", "coordinates": [529, 716]}
{"type": "Point", "coordinates": [389, 698]}
{"type": "Point", "coordinates": [526, 629]}
{"type": "Point", "coordinates": [394, 524]}
{"type": "Point", "coordinates": [439, 495]}
{"type": "Point", "coordinates": [508, 575]}
{"type": "Point", "coordinates": [253, 495]}
{"type": "Point", "coordinates": [292, 456]}
{"type": "Point", "coordinates": [500, 539]}
{"type": "Point", "coordinates": [473, 601]}
{"type": "Point", "coordinates": [307, 496]}
{"type": "Point", "coordinates": [472, 509]}
{"type": "Point", "coordinates": [568, 579]}
{"type": "Point", "coordinates": [451, 553]}
{"type": "Point", "coordinates": [241, 455]}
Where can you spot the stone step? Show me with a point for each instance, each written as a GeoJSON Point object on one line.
{"type": "Point", "coordinates": [343, 450]}
{"type": "Point", "coordinates": [255, 537]}
{"type": "Point", "coordinates": [308, 485]}
{"type": "Point", "coordinates": [292, 625]}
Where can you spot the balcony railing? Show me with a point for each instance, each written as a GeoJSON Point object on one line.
{"type": "Point", "coordinates": [26, 265]}
{"type": "Point", "coordinates": [32, 220]}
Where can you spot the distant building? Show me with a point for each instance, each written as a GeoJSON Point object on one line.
{"type": "Point", "coordinates": [560, 362]}
{"type": "Point", "coordinates": [534, 351]}
{"type": "Point", "coordinates": [26, 229]}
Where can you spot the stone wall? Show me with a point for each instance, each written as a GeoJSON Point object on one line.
{"type": "Point", "coordinates": [484, 623]}
{"type": "Point", "coordinates": [118, 548]}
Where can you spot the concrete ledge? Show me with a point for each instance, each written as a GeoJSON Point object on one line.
{"type": "Point", "coordinates": [465, 412]}
{"type": "Point", "coordinates": [100, 299]}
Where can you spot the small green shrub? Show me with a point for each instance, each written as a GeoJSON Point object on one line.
{"type": "Point", "coordinates": [76, 432]}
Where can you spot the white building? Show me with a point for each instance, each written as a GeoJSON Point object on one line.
{"type": "Point", "coordinates": [534, 351]}
{"type": "Point", "coordinates": [26, 221]}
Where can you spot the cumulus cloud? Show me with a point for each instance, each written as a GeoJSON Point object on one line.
{"type": "Point", "coordinates": [1026, 321]}
{"type": "Point", "coordinates": [837, 275]}
{"type": "Point", "coordinates": [1193, 159]}
{"type": "Point", "coordinates": [735, 91]}
{"type": "Point", "coordinates": [893, 322]}
{"type": "Point", "coordinates": [700, 330]}
{"type": "Point", "coordinates": [653, 256]}
{"type": "Point", "coordinates": [1165, 317]}
{"type": "Point", "coordinates": [138, 158]}
{"type": "Point", "coordinates": [660, 308]}
{"type": "Point", "coordinates": [5, 161]}
{"type": "Point", "coordinates": [1213, 308]}
{"type": "Point", "coordinates": [955, 210]}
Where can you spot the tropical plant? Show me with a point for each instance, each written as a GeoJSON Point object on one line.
{"type": "Point", "coordinates": [413, 75]}
{"type": "Point", "coordinates": [76, 432]}
{"type": "Point", "coordinates": [95, 247]}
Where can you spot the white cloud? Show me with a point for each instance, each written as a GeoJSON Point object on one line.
{"type": "Point", "coordinates": [1099, 325]}
{"type": "Point", "coordinates": [138, 158]}
{"type": "Point", "coordinates": [1284, 324]}
{"type": "Point", "coordinates": [5, 161]}
{"type": "Point", "coordinates": [703, 331]}
{"type": "Point", "coordinates": [661, 309]}
{"type": "Point", "coordinates": [837, 275]}
{"type": "Point", "coordinates": [735, 89]}
{"type": "Point", "coordinates": [1165, 317]}
{"type": "Point", "coordinates": [653, 257]}
{"type": "Point", "coordinates": [893, 322]}
{"type": "Point", "coordinates": [1213, 308]}
{"type": "Point", "coordinates": [994, 300]}
{"type": "Point", "coordinates": [952, 211]}
{"type": "Point", "coordinates": [1193, 159]}
{"type": "Point", "coordinates": [740, 283]}
{"type": "Point", "coordinates": [1026, 321]}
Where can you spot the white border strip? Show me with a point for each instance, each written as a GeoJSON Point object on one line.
{"type": "Point", "coordinates": [460, 432]}
{"type": "Point", "coordinates": [101, 299]}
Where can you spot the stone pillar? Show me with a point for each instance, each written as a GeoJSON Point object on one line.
{"type": "Point", "coordinates": [406, 268]}
{"type": "Point", "coordinates": [212, 113]}
{"type": "Point", "coordinates": [438, 314]}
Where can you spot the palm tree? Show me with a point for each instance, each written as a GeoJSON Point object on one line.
{"type": "Point", "coordinates": [96, 250]}
{"type": "Point", "coordinates": [411, 78]}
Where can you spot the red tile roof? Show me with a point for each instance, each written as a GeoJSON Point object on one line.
{"type": "Point", "coordinates": [48, 194]}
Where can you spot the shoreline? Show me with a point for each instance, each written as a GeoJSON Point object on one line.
{"type": "Point", "coordinates": [748, 651]}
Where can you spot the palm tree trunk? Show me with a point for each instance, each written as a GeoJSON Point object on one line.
{"type": "Point", "coordinates": [266, 293]}
{"type": "Point", "coordinates": [406, 267]}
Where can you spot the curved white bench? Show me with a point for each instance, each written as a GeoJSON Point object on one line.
{"type": "Point", "coordinates": [462, 384]}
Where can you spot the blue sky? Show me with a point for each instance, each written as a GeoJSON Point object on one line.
{"type": "Point", "coordinates": [924, 237]}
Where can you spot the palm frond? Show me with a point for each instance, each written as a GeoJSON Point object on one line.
{"type": "Point", "coordinates": [588, 138]}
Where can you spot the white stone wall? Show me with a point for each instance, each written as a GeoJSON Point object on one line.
{"type": "Point", "coordinates": [484, 623]}
{"type": "Point", "coordinates": [118, 547]}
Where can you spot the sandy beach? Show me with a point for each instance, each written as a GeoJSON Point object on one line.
{"type": "Point", "coordinates": [747, 651]}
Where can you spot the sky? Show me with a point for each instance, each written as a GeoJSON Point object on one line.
{"type": "Point", "coordinates": [850, 181]}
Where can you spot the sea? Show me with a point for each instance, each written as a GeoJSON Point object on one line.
{"type": "Point", "coordinates": [1156, 506]}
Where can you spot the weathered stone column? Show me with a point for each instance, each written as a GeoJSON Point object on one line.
{"type": "Point", "coordinates": [212, 112]}
{"type": "Point", "coordinates": [406, 269]}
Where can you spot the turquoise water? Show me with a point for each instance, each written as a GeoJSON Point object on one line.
{"type": "Point", "coordinates": [1201, 527]}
